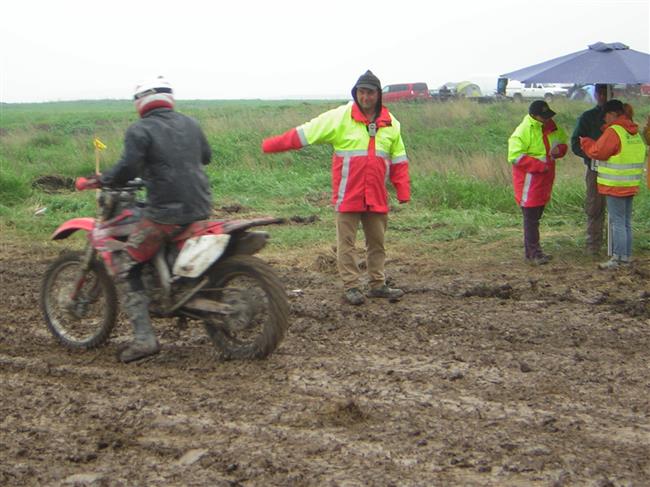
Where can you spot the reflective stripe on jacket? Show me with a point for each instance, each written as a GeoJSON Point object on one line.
{"type": "Point", "coordinates": [533, 167]}
{"type": "Point", "coordinates": [362, 164]}
{"type": "Point", "coordinates": [624, 169]}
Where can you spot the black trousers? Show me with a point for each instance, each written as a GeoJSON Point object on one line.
{"type": "Point", "coordinates": [532, 216]}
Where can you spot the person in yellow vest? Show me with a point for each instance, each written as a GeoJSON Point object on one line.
{"type": "Point", "coordinates": [646, 137]}
{"type": "Point", "coordinates": [368, 152]}
{"type": "Point", "coordinates": [619, 154]}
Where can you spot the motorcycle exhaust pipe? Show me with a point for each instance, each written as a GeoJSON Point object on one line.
{"type": "Point", "coordinates": [188, 295]}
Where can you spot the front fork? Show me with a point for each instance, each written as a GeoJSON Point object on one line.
{"type": "Point", "coordinates": [86, 262]}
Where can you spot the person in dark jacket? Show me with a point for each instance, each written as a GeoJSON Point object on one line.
{"type": "Point", "coordinates": [590, 125]}
{"type": "Point", "coordinates": [168, 151]}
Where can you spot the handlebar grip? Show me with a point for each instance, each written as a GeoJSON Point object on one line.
{"type": "Point", "coordinates": [82, 184]}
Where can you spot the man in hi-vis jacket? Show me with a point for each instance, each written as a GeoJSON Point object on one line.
{"type": "Point", "coordinates": [368, 151]}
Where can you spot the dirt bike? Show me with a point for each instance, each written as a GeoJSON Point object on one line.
{"type": "Point", "coordinates": [206, 273]}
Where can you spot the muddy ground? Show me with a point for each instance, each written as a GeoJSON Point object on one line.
{"type": "Point", "coordinates": [488, 373]}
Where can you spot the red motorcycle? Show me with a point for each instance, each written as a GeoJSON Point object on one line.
{"type": "Point", "coordinates": [207, 273]}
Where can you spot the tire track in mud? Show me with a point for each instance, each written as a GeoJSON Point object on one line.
{"type": "Point", "coordinates": [477, 379]}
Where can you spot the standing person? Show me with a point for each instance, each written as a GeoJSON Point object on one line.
{"type": "Point", "coordinates": [646, 137]}
{"type": "Point", "coordinates": [590, 124]}
{"type": "Point", "coordinates": [532, 150]}
{"type": "Point", "coordinates": [168, 150]}
{"type": "Point", "coordinates": [619, 155]}
{"type": "Point", "coordinates": [368, 150]}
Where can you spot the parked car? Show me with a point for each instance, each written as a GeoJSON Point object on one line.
{"type": "Point", "coordinates": [405, 92]}
{"type": "Point", "coordinates": [520, 91]}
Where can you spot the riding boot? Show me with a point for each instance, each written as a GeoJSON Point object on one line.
{"type": "Point", "coordinates": [144, 344]}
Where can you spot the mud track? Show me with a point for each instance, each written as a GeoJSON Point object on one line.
{"type": "Point", "coordinates": [489, 374]}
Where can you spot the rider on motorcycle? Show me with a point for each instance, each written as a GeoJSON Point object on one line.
{"type": "Point", "coordinates": [167, 150]}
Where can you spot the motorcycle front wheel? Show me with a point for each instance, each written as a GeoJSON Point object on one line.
{"type": "Point", "coordinates": [257, 313]}
{"type": "Point", "coordinates": [86, 321]}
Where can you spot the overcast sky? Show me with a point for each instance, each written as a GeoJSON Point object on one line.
{"type": "Point", "coordinates": [73, 49]}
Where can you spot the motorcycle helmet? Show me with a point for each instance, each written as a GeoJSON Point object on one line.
{"type": "Point", "coordinates": [156, 93]}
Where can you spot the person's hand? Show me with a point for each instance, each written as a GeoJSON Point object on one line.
{"type": "Point", "coordinates": [91, 182]}
{"type": "Point", "coordinates": [555, 152]}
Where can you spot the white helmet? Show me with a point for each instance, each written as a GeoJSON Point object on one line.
{"type": "Point", "coordinates": [156, 93]}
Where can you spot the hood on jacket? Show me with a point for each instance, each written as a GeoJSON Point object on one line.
{"type": "Point", "coordinates": [624, 121]}
{"type": "Point", "coordinates": [368, 80]}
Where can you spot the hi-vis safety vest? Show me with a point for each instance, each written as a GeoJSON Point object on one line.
{"type": "Point", "coordinates": [624, 169]}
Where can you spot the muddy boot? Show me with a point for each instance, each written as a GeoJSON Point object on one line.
{"type": "Point", "coordinates": [392, 294]}
{"type": "Point", "coordinates": [353, 296]}
{"type": "Point", "coordinates": [136, 306]}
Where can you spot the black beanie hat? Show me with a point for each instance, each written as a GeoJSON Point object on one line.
{"type": "Point", "coordinates": [368, 80]}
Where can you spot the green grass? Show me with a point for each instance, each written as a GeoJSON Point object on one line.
{"type": "Point", "coordinates": [460, 178]}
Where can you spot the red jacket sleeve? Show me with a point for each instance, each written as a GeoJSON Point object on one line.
{"type": "Point", "coordinates": [280, 143]}
{"type": "Point", "coordinates": [605, 147]}
{"type": "Point", "coordinates": [399, 177]}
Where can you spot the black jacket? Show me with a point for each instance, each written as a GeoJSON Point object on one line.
{"type": "Point", "coordinates": [167, 150]}
{"type": "Point", "coordinates": [590, 125]}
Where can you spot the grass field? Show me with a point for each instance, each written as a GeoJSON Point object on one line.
{"type": "Point", "coordinates": [460, 177]}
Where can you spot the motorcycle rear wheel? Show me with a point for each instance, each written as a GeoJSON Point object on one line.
{"type": "Point", "coordinates": [259, 314]}
{"type": "Point", "coordinates": [86, 322]}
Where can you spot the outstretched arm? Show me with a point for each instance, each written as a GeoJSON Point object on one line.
{"type": "Point", "coordinates": [320, 130]}
{"type": "Point", "coordinates": [290, 140]}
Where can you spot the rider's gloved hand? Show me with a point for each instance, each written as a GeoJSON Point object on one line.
{"type": "Point", "coordinates": [91, 182]}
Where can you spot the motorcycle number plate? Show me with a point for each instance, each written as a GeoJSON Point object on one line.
{"type": "Point", "coordinates": [199, 253]}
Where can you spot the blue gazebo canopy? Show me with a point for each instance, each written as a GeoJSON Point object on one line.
{"type": "Point", "coordinates": [601, 63]}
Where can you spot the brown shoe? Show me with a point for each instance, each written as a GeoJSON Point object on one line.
{"type": "Point", "coordinates": [354, 296]}
{"type": "Point", "coordinates": [386, 292]}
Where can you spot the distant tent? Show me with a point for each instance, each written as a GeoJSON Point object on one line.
{"type": "Point", "coordinates": [465, 89]}
{"type": "Point", "coordinates": [468, 89]}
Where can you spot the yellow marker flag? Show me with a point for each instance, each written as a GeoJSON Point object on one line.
{"type": "Point", "coordinates": [99, 145]}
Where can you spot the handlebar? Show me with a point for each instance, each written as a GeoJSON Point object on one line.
{"type": "Point", "coordinates": [82, 184]}
{"type": "Point", "coordinates": [135, 183]}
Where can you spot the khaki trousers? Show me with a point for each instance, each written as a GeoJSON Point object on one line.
{"type": "Point", "coordinates": [374, 227]}
{"type": "Point", "coordinates": [595, 204]}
